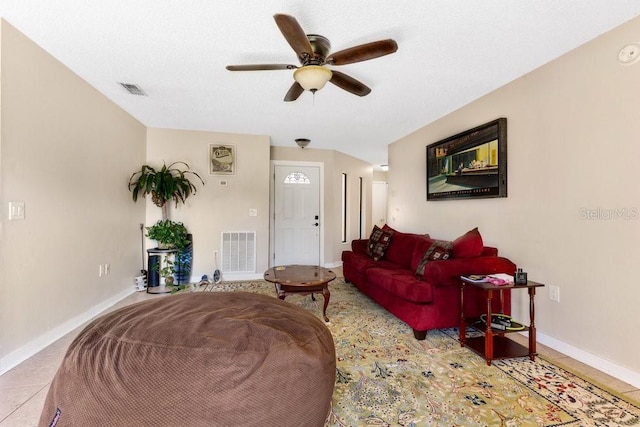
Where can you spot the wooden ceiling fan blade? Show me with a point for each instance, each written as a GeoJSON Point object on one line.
{"type": "Point", "coordinates": [349, 84]}
{"type": "Point", "coordinates": [363, 52]}
{"type": "Point", "coordinates": [294, 92]}
{"type": "Point", "coordinates": [260, 67]}
{"type": "Point", "coordinates": [294, 34]}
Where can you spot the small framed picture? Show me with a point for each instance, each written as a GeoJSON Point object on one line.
{"type": "Point", "coordinates": [222, 159]}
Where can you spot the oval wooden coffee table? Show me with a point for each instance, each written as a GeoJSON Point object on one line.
{"type": "Point", "coordinates": [301, 279]}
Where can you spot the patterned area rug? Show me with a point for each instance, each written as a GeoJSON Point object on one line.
{"type": "Point", "coordinates": [385, 377]}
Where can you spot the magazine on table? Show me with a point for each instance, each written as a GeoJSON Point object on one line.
{"type": "Point", "coordinates": [476, 278]}
{"type": "Point", "coordinates": [495, 279]}
{"type": "Point", "coordinates": [500, 279]}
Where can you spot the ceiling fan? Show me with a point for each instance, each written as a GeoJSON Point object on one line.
{"type": "Point", "coordinates": [313, 54]}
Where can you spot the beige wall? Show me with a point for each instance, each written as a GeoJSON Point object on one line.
{"type": "Point", "coordinates": [336, 163]}
{"type": "Point", "coordinates": [215, 208]}
{"type": "Point", "coordinates": [66, 152]}
{"type": "Point", "coordinates": [573, 148]}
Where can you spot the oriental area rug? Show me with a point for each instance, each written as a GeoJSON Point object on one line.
{"type": "Point", "coordinates": [385, 377]}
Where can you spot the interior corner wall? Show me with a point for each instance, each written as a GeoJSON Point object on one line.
{"type": "Point", "coordinates": [572, 215]}
{"type": "Point", "coordinates": [67, 152]}
{"type": "Point", "coordinates": [335, 164]}
{"type": "Point", "coordinates": [215, 207]}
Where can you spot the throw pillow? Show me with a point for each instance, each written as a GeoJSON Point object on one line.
{"type": "Point", "coordinates": [387, 228]}
{"type": "Point", "coordinates": [438, 251]}
{"type": "Point", "coordinates": [468, 245]}
{"type": "Point", "coordinates": [378, 243]}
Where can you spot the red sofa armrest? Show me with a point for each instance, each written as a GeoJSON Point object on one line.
{"type": "Point", "coordinates": [448, 272]}
{"type": "Point", "coordinates": [489, 251]}
{"type": "Point", "coordinates": [359, 246]}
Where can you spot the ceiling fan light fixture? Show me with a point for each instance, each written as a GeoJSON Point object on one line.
{"type": "Point", "coordinates": [312, 77]}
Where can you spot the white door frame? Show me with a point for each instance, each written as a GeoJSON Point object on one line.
{"type": "Point", "coordinates": [272, 218]}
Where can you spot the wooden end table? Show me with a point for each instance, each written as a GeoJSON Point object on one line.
{"type": "Point", "coordinates": [494, 344]}
{"type": "Point", "coordinates": [301, 279]}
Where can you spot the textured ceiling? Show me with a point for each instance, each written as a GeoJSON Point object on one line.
{"type": "Point", "coordinates": [450, 53]}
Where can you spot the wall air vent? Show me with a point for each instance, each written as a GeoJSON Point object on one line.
{"type": "Point", "coordinates": [238, 251]}
{"type": "Point", "coordinates": [133, 89]}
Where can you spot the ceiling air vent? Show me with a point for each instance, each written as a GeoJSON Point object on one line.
{"type": "Point", "coordinates": [133, 89]}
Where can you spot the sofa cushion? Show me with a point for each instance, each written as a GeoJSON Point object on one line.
{"type": "Point", "coordinates": [362, 262]}
{"type": "Point", "coordinates": [401, 248]}
{"type": "Point", "coordinates": [378, 243]}
{"type": "Point", "coordinates": [469, 245]}
{"type": "Point", "coordinates": [439, 250]}
{"type": "Point", "coordinates": [359, 246]}
{"type": "Point", "coordinates": [447, 273]}
{"type": "Point", "coordinates": [418, 252]}
{"type": "Point", "coordinates": [401, 283]}
{"type": "Point", "coordinates": [489, 251]}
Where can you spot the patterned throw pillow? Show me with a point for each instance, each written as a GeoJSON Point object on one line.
{"type": "Point", "coordinates": [438, 251]}
{"type": "Point", "coordinates": [378, 243]}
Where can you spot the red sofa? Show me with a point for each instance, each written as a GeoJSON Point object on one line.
{"type": "Point", "coordinates": [430, 300]}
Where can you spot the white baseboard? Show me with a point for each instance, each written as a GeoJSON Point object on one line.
{"type": "Point", "coordinates": [21, 354]}
{"type": "Point", "coordinates": [333, 264]}
{"type": "Point", "coordinates": [606, 366]}
{"type": "Point", "coordinates": [233, 277]}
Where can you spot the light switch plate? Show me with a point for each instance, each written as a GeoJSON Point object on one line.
{"type": "Point", "coordinates": [16, 210]}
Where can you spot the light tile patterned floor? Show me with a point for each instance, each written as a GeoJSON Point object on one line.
{"type": "Point", "coordinates": [23, 389]}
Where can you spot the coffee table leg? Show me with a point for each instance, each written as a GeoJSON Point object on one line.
{"type": "Point", "coordinates": [326, 294]}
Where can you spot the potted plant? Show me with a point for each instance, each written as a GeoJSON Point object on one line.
{"type": "Point", "coordinates": [169, 234]}
{"type": "Point", "coordinates": [168, 183]}
{"type": "Point", "coordinates": [168, 272]}
{"type": "Point", "coordinates": [173, 235]}
{"type": "Point", "coordinates": [173, 182]}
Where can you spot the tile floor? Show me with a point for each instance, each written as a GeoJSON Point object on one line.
{"type": "Point", "coordinates": [23, 389]}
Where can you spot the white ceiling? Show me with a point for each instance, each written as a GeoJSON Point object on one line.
{"type": "Point", "coordinates": [450, 53]}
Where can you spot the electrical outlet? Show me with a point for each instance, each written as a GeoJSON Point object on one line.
{"type": "Point", "coordinates": [16, 210]}
{"type": "Point", "coordinates": [100, 270]}
{"type": "Point", "coordinates": [107, 269]}
{"type": "Point", "coordinates": [554, 293]}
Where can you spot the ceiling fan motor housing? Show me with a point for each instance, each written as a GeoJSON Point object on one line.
{"type": "Point", "coordinates": [321, 48]}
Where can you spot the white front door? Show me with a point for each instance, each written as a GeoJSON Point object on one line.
{"type": "Point", "coordinates": [297, 219]}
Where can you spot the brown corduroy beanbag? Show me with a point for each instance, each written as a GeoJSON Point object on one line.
{"type": "Point", "coordinates": [197, 359]}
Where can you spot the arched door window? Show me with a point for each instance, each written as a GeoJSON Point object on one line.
{"type": "Point", "coordinates": [297, 178]}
